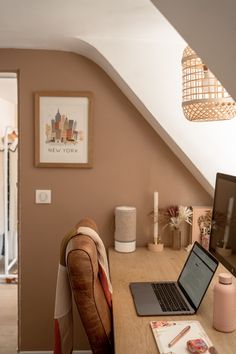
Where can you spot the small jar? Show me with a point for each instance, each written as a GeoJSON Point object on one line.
{"type": "Point", "coordinates": [224, 306]}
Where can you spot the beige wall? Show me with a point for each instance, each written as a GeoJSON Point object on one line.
{"type": "Point", "coordinates": [130, 162]}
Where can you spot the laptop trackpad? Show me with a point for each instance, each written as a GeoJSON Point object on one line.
{"type": "Point", "coordinates": [145, 300]}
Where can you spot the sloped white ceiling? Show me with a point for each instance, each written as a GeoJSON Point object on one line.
{"type": "Point", "coordinates": [57, 23]}
{"type": "Point", "coordinates": [209, 27]}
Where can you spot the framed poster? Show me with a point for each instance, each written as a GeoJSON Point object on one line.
{"type": "Point", "coordinates": [201, 221]}
{"type": "Point", "coordinates": [63, 129]}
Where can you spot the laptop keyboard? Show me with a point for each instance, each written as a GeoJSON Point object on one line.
{"type": "Point", "coordinates": [169, 297]}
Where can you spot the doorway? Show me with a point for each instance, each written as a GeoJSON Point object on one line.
{"type": "Point", "coordinates": [8, 211]}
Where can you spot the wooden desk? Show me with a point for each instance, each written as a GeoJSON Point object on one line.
{"type": "Point", "coordinates": [132, 334]}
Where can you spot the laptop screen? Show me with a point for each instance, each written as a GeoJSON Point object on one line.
{"type": "Point", "coordinates": [197, 274]}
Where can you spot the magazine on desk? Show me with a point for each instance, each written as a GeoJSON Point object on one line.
{"type": "Point", "coordinates": [165, 331]}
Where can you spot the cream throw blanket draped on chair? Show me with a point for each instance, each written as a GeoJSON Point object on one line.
{"type": "Point", "coordinates": [63, 320]}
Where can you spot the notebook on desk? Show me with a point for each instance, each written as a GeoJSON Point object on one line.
{"type": "Point", "coordinates": [182, 297]}
{"type": "Point", "coordinates": [165, 331]}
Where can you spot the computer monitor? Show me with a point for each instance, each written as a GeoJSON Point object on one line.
{"type": "Point", "coordinates": [223, 229]}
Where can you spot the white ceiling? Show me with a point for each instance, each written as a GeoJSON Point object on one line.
{"type": "Point", "coordinates": [56, 24]}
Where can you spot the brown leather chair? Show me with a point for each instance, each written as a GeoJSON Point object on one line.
{"type": "Point", "coordinates": [95, 313]}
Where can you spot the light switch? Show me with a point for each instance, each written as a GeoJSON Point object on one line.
{"type": "Point", "coordinates": [43, 196]}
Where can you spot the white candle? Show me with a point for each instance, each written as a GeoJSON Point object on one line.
{"type": "Point", "coordinates": [155, 216]}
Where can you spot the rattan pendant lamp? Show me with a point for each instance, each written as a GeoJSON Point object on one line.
{"type": "Point", "coordinates": [204, 98]}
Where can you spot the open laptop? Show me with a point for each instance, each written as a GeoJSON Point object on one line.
{"type": "Point", "coordinates": [177, 298]}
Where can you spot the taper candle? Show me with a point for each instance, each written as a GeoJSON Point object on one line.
{"type": "Point", "coordinates": [155, 217]}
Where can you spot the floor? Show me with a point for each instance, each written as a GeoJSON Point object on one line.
{"type": "Point", "coordinates": [8, 317]}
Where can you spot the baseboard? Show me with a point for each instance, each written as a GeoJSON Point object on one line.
{"type": "Point", "coordinates": [50, 352]}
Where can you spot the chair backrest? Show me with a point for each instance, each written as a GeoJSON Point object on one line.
{"type": "Point", "coordinates": [95, 313]}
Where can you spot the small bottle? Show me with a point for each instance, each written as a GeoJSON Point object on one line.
{"type": "Point", "coordinates": [224, 306]}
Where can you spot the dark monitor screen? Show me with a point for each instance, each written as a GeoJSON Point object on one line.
{"type": "Point", "coordinates": [223, 229]}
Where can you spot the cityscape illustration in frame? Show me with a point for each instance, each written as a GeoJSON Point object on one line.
{"type": "Point", "coordinates": [63, 129]}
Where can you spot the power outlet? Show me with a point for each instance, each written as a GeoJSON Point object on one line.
{"type": "Point", "coordinates": [43, 196]}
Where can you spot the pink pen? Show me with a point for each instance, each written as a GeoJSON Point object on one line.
{"type": "Point", "coordinates": [179, 336]}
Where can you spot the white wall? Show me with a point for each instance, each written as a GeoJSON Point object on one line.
{"type": "Point", "coordinates": [8, 115]}
{"type": "Point", "coordinates": [8, 87]}
{"type": "Point", "coordinates": [8, 101]}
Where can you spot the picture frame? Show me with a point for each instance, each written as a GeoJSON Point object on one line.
{"type": "Point", "coordinates": [199, 215]}
{"type": "Point", "coordinates": [63, 129]}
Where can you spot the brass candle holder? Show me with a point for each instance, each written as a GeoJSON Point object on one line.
{"type": "Point", "coordinates": [157, 245]}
